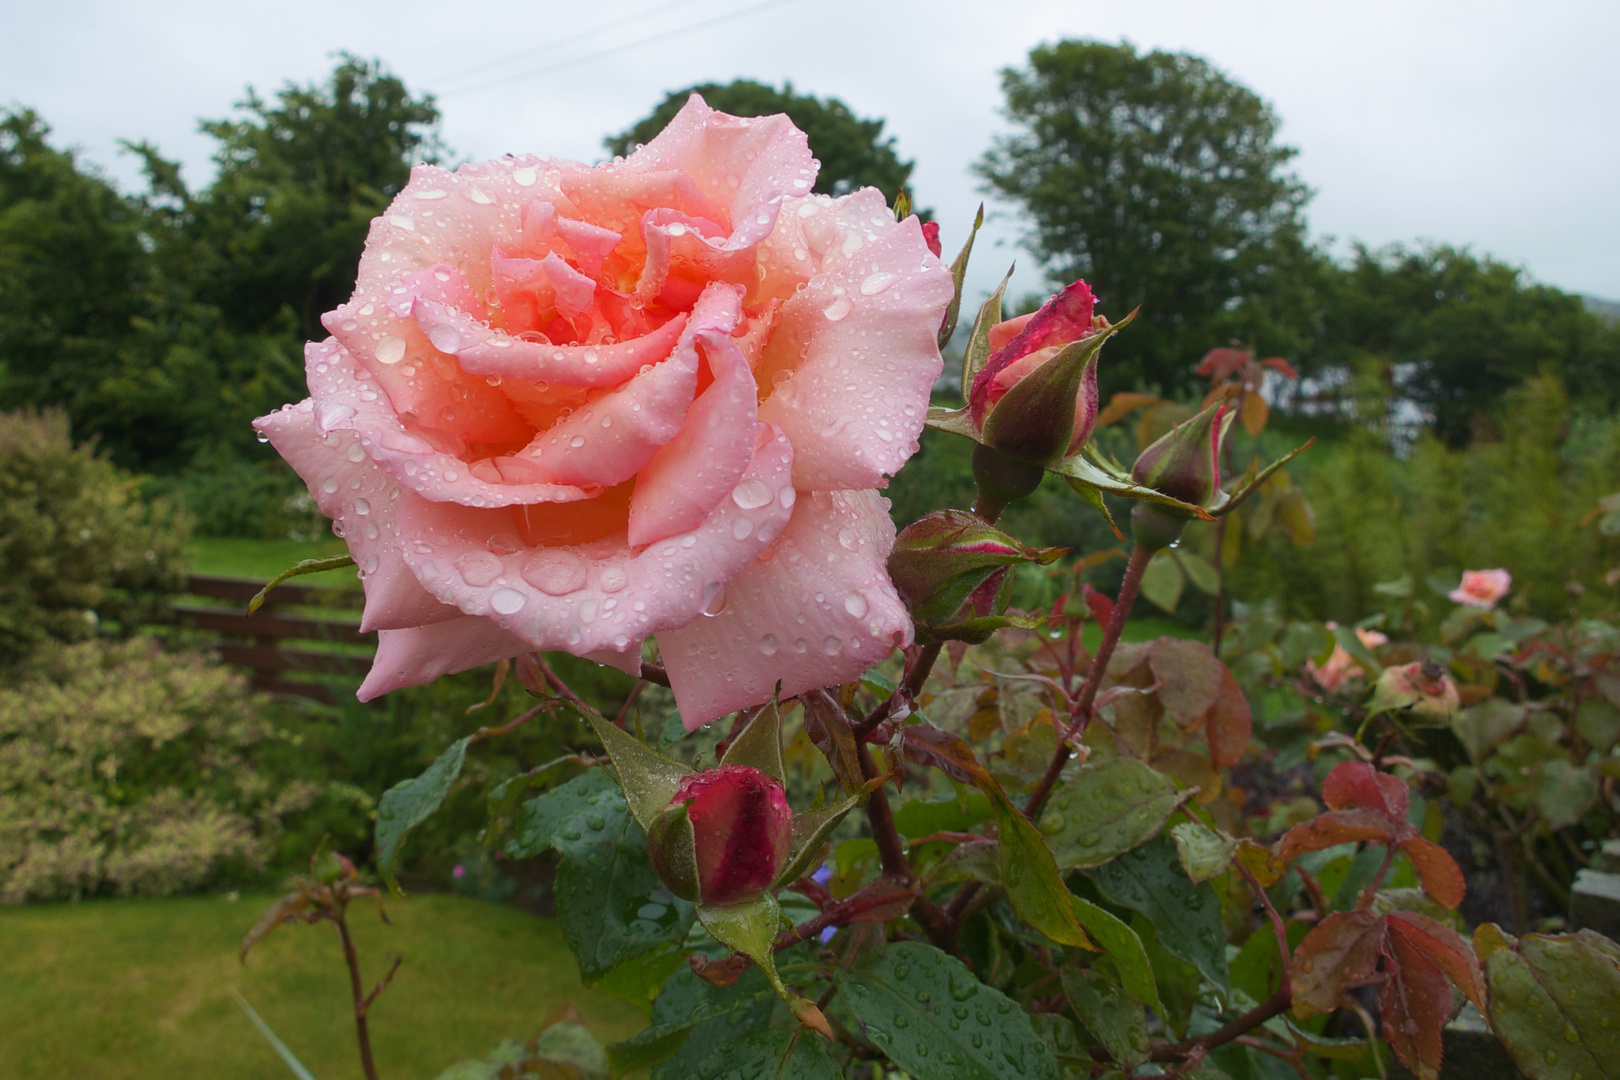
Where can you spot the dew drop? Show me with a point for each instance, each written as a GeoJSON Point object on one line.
{"type": "Point", "coordinates": [876, 283]}
{"type": "Point", "coordinates": [390, 349]}
{"type": "Point", "coordinates": [362, 507]}
{"type": "Point", "coordinates": [768, 645]}
{"type": "Point", "coordinates": [741, 528]}
{"type": "Point", "coordinates": [337, 529]}
{"type": "Point", "coordinates": [714, 598]}
{"type": "Point", "coordinates": [525, 177]}
{"type": "Point", "coordinates": [832, 646]}
{"type": "Point", "coordinates": [577, 441]}
{"type": "Point", "coordinates": [507, 601]}
{"type": "Point", "coordinates": [838, 309]}
{"type": "Point", "coordinates": [445, 338]}
{"type": "Point", "coordinates": [356, 454]}
{"type": "Point", "coordinates": [613, 579]}
{"type": "Point", "coordinates": [855, 604]}
{"type": "Point", "coordinates": [329, 485]}
{"type": "Point", "coordinates": [751, 494]}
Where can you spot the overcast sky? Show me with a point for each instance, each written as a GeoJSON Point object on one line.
{"type": "Point", "coordinates": [1489, 124]}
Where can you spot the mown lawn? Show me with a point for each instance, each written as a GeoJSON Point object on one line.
{"type": "Point", "coordinates": [142, 988]}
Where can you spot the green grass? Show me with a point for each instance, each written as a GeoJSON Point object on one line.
{"type": "Point", "coordinates": [141, 988]}
{"type": "Point", "coordinates": [264, 559]}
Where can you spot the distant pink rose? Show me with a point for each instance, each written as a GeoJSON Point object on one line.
{"type": "Point", "coordinates": [1372, 638]}
{"type": "Point", "coordinates": [1482, 588]}
{"type": "Point", "coordinates": [571, 407]}
{"type": "Point", "coordinates": [1339, 667]}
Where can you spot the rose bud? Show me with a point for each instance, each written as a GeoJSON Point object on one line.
{"type": "Point", "coordinates": [930, 231]}
{"type": "Point", "coordinates": [953, 569]}
{"type": "Point", "coordinates": [724, 837]}
{"type": "Point", "coordinates": [1423, 689]}
{"type": "Point", "coordinates": [1036, 398]}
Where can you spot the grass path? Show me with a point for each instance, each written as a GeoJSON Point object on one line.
{"type": "Point", "coordinates": [141, 988]}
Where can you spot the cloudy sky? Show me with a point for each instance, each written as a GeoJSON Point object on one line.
{"type": "Point", "coordinates": [1489, 124]}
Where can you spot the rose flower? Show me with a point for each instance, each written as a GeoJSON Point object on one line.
{"type": "Point", "coordinates": [1481, 588]}
{"type": "Point", "coordinates": [572, 407]}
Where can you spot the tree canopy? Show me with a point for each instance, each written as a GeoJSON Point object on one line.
{"type": "Point", "coordinates": [1159, 180]}
{"type": "Point", "coordinates": [852, 150]}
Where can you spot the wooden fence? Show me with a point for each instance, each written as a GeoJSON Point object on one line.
{"type": "Point", "coordinates": [275, 642]}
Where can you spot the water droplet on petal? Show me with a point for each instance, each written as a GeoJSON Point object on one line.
{"type": "Point", "coordinates": [768, 645]}
{"type": "Point", "coordinates": [507, 601]}
{"type": "Point", "coordinates": [876, 283]}
{"type": "Point", "coordinates": [362, 507]}
{"type": "Point", "coordinates": [741, 528]}
{"type": "Point", "coordinates": [855, 604]}
{"type": "Point", "coordinates": [613, 579]}
{"type": "Point", "coordinates": [714, 598]}
{"type": "Point", "coordinates": [832, 646]}
{"type": "Point", "coordinates": [751, 494]}
{"type": "Point", "coordinates": [445, 338]}
{"type": "Point", "coordinates": [390, 349]}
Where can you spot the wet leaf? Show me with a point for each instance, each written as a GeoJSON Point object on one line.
{"type": "Point", "coordinates": [410, 802]}
{"type": "Point", "coordinates": [1189, 678]}
{"type": "Point", "coordinates": [1330, 829]}
{"type": "Point", "coordinates": [759, 745]}
{"type": "Point", "coordinates": [781, 1053]}
{"type": "Point", "coordinates": [811, 830]}
{"type": "Point", "coordinates": [977, 860]}
{"type": "Point", "coordinates": [1564, 792]}
{"type": "Point", "coordinates": [750, 929]}
{"type": "Point", "coordinates": [1106, 810]}
{"type": "Point", "coordinates": [1416, 1006]}
{"type": "Point", "coordinates": [1108, 1013]}
{"type": "Point", "coordinates": [1187, 917]}
{"type": "Point", "coordinates": [1481, 727]}
{"type": "Point", "coordinates": [1445, 948]}
{"type": "Point", "coordinates": [935, 1019]}
{"type": "Point", "coordinates": [1357, 785]}
{"type": "Point", "coordinates": [1124, 948]}
{"type": "Point", "coordinates": [1229, 723]}
{"type": "Point", "coordinates": [1442, 878]}
{"type": "Point", "coordinates": [1204, 853]}
{"type": "Point", "coordinates": [824, 723]}
{"type": "Point", "coordinates": [1554, 1002]}
{"type": "Point", "coordinates": [1339, 953]}
{"type": "Point", "coordinates": [649, 779]}
{"type": "Point", "coordinates": [685, 1002]}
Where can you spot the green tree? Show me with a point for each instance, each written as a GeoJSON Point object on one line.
{"type": "Point", "coordinates": [1159, 180]}
{"type": "Point", "coordinates": [852, 150]}
{"type": "Point", "coordinates": [73, 273]}
{"type": "Point", "coordinates": [282, 226]}
{"type": "Point", "coordinates": [1458, 331]}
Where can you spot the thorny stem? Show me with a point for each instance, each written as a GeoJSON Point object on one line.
{"type": "Point", "coordinates": [557, 683]}
{"type": "Point", "coordinates": [629, 700]}
{"type": "Point", "coordinates": [1220, 584]}
{"type": "Point", "coordinates": [1277, 925]}
{"type": "Point", "coordinates": [1275, 1005]}
{"type": "Point", "coordinates": [909, 690]}
{"type": "Point", "coordinates": [362, 1003]}
{"type": "Point", "coordinates": [1081, 716]}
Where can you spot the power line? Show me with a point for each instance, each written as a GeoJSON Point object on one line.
{"type": "Point", "coordinates": [583, 35]}
{"type": "Point", "coordinates": [626, 47]}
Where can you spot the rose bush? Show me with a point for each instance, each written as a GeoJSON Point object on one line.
{"type": "Point", "coordinates": [572, 407]}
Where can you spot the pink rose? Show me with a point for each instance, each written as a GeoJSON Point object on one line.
{"type": "Point", "coordinates": [569, 407]}
{"type": "Point", "coordinates": [1339, 667]}
{"type": "Point", "coordinates": [1482, 588]}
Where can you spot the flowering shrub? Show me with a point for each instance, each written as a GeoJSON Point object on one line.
{"type": "Point", "coordinates": [959, 839]}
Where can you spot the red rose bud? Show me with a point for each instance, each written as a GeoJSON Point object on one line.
{"type": "Point", "coordinates": [725, 836]}
{"type": "Point", "coordinates": [952, 568]}
{"type": "Point", "coordinates": [1036, 396]}
{"type": "Point", "coordinates": [930, 230]}
{"type": "Point", "coordinates": [1185, 462]}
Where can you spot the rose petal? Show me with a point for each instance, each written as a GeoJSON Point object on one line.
{"type": "Point", "coordinates": [361, 499]}
{"type": "Point", "coordinates": [346, 400]}
{"type": "Point", "coordinates": [614, 437]}
{"type": "Point", "coordinates": [855, 354]}
{"type": "Point", "coordinates": [598, 595]}
{"type": "Point", "coordinates": [421, 654]}
{"type": "Point", "coordinates": [818, 609]}
{"type": "Point", "coordinates": [1064, 318]}
{"type": "Point", "coordinates": [690, 474]}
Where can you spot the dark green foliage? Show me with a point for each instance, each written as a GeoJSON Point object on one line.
{"type": "Point", "coordinates": [852, 150]}
{"type": "Point", "coordinates": [1455, 332]}
{"type": "Point", "coordinates": [1157, 179]}
{"type": "Point", "coordinates": [78, 548]}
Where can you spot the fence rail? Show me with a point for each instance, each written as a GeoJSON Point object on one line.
{"type": "Point", "coordinates": [264, 641]}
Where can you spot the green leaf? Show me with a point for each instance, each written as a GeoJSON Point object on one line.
{"type": "Point", "coordinates": [1064, 1041]}
{"type": "Point", "coordinates": [1553, 1002]}
{"type": "Point", "coordinates": [611, 906]}
{"type": "Point", "coordinates": [1482, 727]}
{"type": "Point", "coordinates": [935, 1019]}
{"type": "Point", "coordinates": [977, 860]}
{"type": "Point", "coordinates": [539, 818]}
{"type": "Point", "coordinates": [571, 1044]}
{"type": "Point", "coordinates": [1106, 810]}
{"type": "Point", "coordinates": [410, 802]}
{"type": "Point", "coordinates": [637, 979]}
{"type": "Point", "coordinates": [1564, 792]}
{"type": "Point", "coordinates": [1095, 498]}
{"type": "Point", "coordinates": [1118, 1021]}
{"type": "Point", "coordinates": [759, 745]}
{"type": "Point", "coordinates": [1124, 948]}
{"type": "Point", "coordinates": [959, 265]}
{"type": "Point", "coordinates": [649, 779]}
{"type": "Point", "coordinates": [1031, 878]}
{"type": "Point", "coordinates": [920, 817]}
{"type": "Point", "coordinates": [1187, 917]}
{"type": "Point", "coordinates": [293, 1064]}
{"type": "Point", "coordinates": [1204, 853]}
{"type": "Point", "coordinates": [810, 831]}
{"type": "Point", "coordinates": [781, 1053]}
{"type": "Point", "coordinates": [1199, 572]}
{"type": "Point", "coordinates": [685, 1002]}
{"type": "Point", "coordinates": [1162, 581]}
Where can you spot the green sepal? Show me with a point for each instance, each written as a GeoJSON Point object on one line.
{"type": "Point", "coordinates": [1226, 503]}
{"type": "Point", "coordinates": [750, 929]}
{"type": "Point", "coordinates": [649, 779]}
{"type": "Point", "coordinates": [1095, 498]}
{"type": "Point", "coordinates": [810, 831]}
{"type": "Point", "coordinates": [1077, 468]}
{"type": "Point", "coordinates": [958, 273]}
{"type": "Point", "coordinates": [976, 630]}
{"type": "Point", "coordinates": [978, 346]}
{"type": "Point", "coordinates": [759, 744]}
{"type": "Point", "coordinates": [672, 847]}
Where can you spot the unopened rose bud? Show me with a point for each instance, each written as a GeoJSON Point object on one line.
{"type": "Point", "coordinates": [1036, 397]}
{"type": "Point", "coordinates": [1185, 462]}
{"type": "Point", "coordinates": [952, 567]}
{"type": "Point", "coordinates": [1422, 688]}
{"type": "Point", "coordinates": [930, 231]}
{"type": "Point", "coordinates": [725, 836]}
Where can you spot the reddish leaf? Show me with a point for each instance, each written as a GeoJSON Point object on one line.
{"type": "Point", "coordinates": [884, 900]}
{"type": "Point", "coordinates": [1445, 948]}
{"type": "Point", "coordinates": [1102, 608]}
{"type": "Point", "coordinates": [1333, 827]}
{"type": "Point", "coordinates": [1189, 678]}
{"type": "Point", "coordinates": [1442, 877]}
{"type": "Point", "coordinates": [927, 745]}
{"type": "Point", "coordinates": [1417, 1004]}
{"type": "Point", "coordinates": [1283, 367]}
{"type": "Point", "coordinates": [1357, 784]}
{"type": "Point", "coordinates": [1228, 723]}
{"type": "Point", "coordinates": [826, 725]}
{"type": "Point", "coordinates": [285, 909]}
{"type": "Point", "coordinates": [1340, 953]}
{"type": "Point", "coordinates": [1221, 362]}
